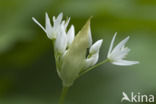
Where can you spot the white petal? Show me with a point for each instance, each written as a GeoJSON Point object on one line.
{"type": "Point", "coordinates": [122, 53]}
{"type": "Point", "coordinates": [125, 62]}
{"type": "Point", "coordinates": [60, 16]}
{"type": "Point", "coordinates": [120, 45]}
{"type": "Point", "coordinates": [63, 23]}
{"type": "Point", "coordinates": [54, 18]}
{"type": "Point", "coordinates": [61, 41]}
{"type": "Point", "coordinates": [70, 35]}
{"type": "Point", "coordinates": [111, 45]}
{"type": "Point", "coordinates": [39, 24]}
{"type": "Point", "coordinates": [48, 26]}
{"type": "Point", "coordinates": [94, 53]}
{"type": "Point", "coordinates": [59, 19]}
{"type": "Point", "coordinates": [92, 60]}
{"type": "Point", "coordinates": [66, 23]}
{"type": "Point", "coordinates": [95, 47]}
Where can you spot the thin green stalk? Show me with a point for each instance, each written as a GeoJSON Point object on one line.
{"type": "Point", "coordinates": [92, 67]}
{"type": "Point", "coordinates": [63, 95]}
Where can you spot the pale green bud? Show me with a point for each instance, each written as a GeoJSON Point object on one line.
{"type": "Point", "coordinates": [74, 60]}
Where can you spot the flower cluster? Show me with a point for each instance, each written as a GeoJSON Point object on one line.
{"type": "Point", "coordinates": [71, 50]}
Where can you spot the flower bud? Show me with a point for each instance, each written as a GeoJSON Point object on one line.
{"type": "Point", "coordinates": [70, 35]}
{"type": "Point", "coordinates": [93, 53]}
{"type": "Point", "coordinates": [61, 41]}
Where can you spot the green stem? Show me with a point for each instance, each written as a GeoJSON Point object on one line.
{"type": "Point", "coordinates": [63, 95]}
{"type": "Point", "coordinates": [92, 67]}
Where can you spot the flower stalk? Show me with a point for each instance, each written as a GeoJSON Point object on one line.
{"type": "Point", "coordinates": [63, 95]}
{"type": "Point", "coordinates": [95, 66]}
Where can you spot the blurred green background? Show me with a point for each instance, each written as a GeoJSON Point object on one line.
{"type": "Point", "coordinates": [27, 66]}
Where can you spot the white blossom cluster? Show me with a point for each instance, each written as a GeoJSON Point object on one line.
{"type": "Point", "coordinates": [71, 50]}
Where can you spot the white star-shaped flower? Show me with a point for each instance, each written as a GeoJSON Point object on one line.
{"type": "Point", "coordinates": [57, 32]}
{"type": "Point", "coordinates": [50, 30]}
{"type": "Point", "coordinates": [117, 54]}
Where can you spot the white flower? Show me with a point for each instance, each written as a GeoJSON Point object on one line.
{"type": "Point", "coordinates": [57, 32]}
{"type": "Point", "coordinates": [94, 53]}
{"type": "Point", "coordinates": [50, 30]}
{"type": "Point", "coordinates": [117, 54]}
